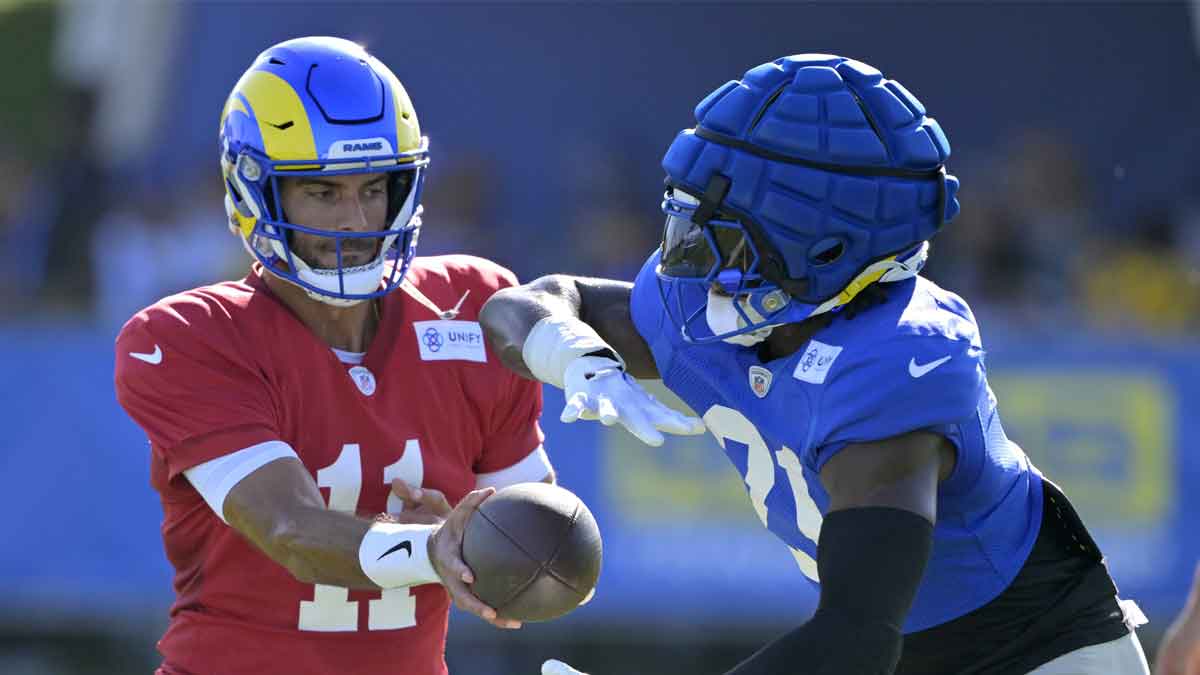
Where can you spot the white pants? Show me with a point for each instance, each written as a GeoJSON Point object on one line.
{"type": "Point", "coordinates": [1123, 656]}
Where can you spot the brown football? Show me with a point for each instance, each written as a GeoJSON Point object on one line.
{"type": "Point", "coordinates": [535, 550]}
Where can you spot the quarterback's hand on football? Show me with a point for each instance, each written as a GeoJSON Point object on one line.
{"type": "Point", "coordinates": [445, 552]}
{"type": "Point", "coordinates": [424, 506]}
{"type": "Point", "coordinates": [1179, 652]}
{"type": "Point", "coordinates": [597, 388]}
{"type": "Point", "coordinates": [553, 667]}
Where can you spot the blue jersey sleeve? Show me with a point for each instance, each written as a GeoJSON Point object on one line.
{"type": "Point", "coordinates": [903, 384]}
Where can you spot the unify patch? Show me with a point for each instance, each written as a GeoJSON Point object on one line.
{"type": "Point", "coordinates": [450, 341]}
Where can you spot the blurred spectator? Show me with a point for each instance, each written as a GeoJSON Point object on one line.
{"type": "Point", "coordinates": [1030, 250]}
{"type": "Point", "coordinates": [613, 219]}
{"type": "Point", "coordinates": [159, 240]}
{"type": "Point", "coordinates": [1142, 280]}
{"type": "Point", "coordinates": [23, 245]}
{"type": "Point", "coordinates": [456, 200]}
{"type": "Point", "coordinates": [50, 184]}
{"type": "Point", "coordinates": [1046, 188]}
{"type": "Point", "coordinates": [982, 256]}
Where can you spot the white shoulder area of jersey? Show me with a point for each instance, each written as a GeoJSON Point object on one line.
{"type": "Point", "coordinates": [216, 477]}
{"type": "Point", "coordinates": [934, 311]}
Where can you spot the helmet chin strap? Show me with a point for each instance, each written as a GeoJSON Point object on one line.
{"type": "Point", "coordinates": [357, 280]}
{"type": "Point", "coordinates": [360, 280]}
{"type": "Point", "coordinates": [723, 316]}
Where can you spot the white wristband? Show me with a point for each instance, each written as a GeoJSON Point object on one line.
{"type": "Point", "coordinates": [554, 342]}
{"type": "Point", "coordinates": [394, 555]}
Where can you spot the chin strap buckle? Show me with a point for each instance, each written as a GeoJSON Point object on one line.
{"type": "Point", "coordinates": [710, 201]}
{"type": "Point", "coordinates": [444, 314]}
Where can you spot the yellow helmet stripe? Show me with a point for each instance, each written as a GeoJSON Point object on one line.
{"type": "Point", "coordinates": [234, 102]}
{"type": "Point", "coordinates": [408, 129]}
{"type": "Point", "coordinates": [276, 104]}
{"type": "Point", "coordinates": [245, 223]}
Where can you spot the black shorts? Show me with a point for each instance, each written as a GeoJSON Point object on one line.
{"type": "Point", "coordinates": [1062, 599]}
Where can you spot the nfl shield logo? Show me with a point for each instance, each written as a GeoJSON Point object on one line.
{"type": "Point", "coordinates": [364, 379]}
{"type": "Point", "coordinates": [760, 381]}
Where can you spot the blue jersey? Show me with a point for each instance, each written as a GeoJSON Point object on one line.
{"type": "Point", "coordinates": [913, 362]}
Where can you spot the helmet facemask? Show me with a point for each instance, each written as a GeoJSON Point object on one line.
{"type": "Point", "coordinates": [710, 252]}
{"type": "Point", "coordinates": [270, 240]}
{"type": "Point", "coordinates": [722, 281]}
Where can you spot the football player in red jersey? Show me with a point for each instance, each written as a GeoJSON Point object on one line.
{"type": "Point", "coordinates": [341, 379]}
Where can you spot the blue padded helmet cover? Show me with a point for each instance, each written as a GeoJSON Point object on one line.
{"type": "Point", "coordinates": [831, 167]}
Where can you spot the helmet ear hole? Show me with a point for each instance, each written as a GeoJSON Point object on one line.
{"type": "Point", "coordinates": [827, 251]}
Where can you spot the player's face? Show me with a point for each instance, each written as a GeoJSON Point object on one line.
{"type": "Point", "coordinates": [349, 203]}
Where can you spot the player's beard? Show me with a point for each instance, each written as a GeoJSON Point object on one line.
{"type": "Point", "coordinates": [321, 252]}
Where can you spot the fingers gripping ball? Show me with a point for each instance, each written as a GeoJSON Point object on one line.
{"type": "Point", "coordinates": [535, 550]}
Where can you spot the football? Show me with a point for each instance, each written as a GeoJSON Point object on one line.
{"type": "Point", "coordinates": [535, 550]}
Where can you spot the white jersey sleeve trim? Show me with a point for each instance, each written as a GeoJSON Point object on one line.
{"type": "Point", "coordinates": [216, 477]}
{"type": "Point", "coordinates": [535, 467]}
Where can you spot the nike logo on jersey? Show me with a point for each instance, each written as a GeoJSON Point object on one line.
{"type": "Point", "coordinates": [406, 545]}
{"type": "Point", "coordinates": [153, 358]}
{"type": "Point", "coordinates": [920, 370]}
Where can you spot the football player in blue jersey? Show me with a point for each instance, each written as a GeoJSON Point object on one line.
{"type": "Point", "coordinates": [785, 305]}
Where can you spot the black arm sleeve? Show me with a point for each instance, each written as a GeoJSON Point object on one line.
{"type": "Point", "coordinates": [870, 561]}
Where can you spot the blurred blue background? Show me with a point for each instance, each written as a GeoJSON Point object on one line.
{"type": "Point", "coordinates": [1074, 131]}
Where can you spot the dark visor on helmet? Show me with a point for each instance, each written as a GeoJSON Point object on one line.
{"type": "Point", "coordinates": [691, 250]}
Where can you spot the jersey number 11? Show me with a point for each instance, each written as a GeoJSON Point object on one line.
{"type": "Point", "coordinates": [331, 609]}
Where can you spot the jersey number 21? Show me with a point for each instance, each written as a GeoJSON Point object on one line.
{"type": "Point", "coordinates": [763, 470]}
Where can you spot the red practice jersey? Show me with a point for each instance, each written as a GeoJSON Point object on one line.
{"type": "Point", "coordinates": [217, 369]}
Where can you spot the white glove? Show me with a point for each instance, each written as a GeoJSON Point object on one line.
{"type": "Point", "coordinates": [553, 667]}
{"type": "Point", "coordinates": [597, 388]}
